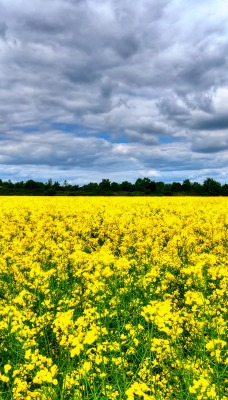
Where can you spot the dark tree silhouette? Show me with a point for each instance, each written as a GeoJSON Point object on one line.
{"type": "Point", "coordinates": [142, 187]}
{"type": "Point", "coordinates": [211, 187]}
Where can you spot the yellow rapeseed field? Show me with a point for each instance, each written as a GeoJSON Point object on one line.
{"type": "Point", "coordinates": [113, 298]}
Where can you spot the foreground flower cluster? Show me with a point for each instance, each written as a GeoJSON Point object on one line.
{"type": "Point", "coordinates": [113, 298]}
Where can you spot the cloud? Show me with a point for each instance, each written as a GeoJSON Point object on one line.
{"type": "Point", "coordinates": [3, 30]}
{"type": "Point", "coordinates": [211, 142]}
{"type": "Point", "coordinates": [213, 117]}
{"type": "Point", "coordinates": [99, 87]}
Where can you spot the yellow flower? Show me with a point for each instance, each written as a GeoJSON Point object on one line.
{"type": "Point", "coordinates": [7, 368]}
{"type": "Point", "coordinates": [4, 378]}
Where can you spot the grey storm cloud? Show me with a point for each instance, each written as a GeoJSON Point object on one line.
{"type": "Point", "coordinates": [96, 87]}
{"type": "Point", "coordinates": [211, 123]}
{"type": "Point", "coordinates": [3, 30]}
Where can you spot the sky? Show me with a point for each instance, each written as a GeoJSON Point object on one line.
{"type": "Point", "coordinates": [113, 89]}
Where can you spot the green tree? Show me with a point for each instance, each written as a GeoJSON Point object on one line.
{"type": "Point", "coordinates": [91, 187]}
{"type": "Point", "coordinates": [160, 187]}
{"type": "Point", "coordinates": [49, 183]}
{"type": "Point", "coordinates": [126, 186]}
{"type": "Point", "coordinates": [197, 188]}
{"type": "Point", "coordinates": [56, 185]}
{"type": "Point", "coordinates": [176, 187]}
{"type": "Point", "coordinates": [186, 186]}
{"type": "Point", "coordinates": [31, 184]}
{"type": "Point", "coordinates": [145, 185]}
{"type": "Point", "coordinates": [115, 187]}
{"type": "Point", "coordinates": [224, 190]}
{"type": "Point", "coordinates": [211, 187]}
{"type": "Point", "coordinates": [105, 185]}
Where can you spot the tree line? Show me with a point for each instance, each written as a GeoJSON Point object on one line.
{"type": "Point", "coordinates": [141, 187]}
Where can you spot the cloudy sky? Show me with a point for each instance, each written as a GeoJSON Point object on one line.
{"type": "Point", "coordinates": [118, 89]}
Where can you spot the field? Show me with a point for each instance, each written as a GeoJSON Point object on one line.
{"type": "Point", "coordinates": [113, 298]}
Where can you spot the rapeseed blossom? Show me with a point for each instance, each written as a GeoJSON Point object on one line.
{"type": "Point", "coordinates": [113, 298]}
